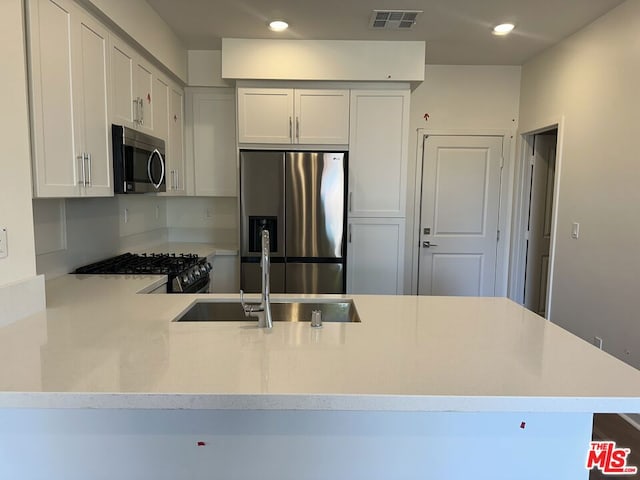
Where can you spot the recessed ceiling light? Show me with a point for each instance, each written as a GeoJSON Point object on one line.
{"type": "Point", "coordinates": [503, 28]}
{"type": "Point", "coordinates": [278, 25]}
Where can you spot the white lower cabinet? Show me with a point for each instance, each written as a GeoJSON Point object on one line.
{"type": "Point", "coordinates": [375, 256]}
{"type": "Point", "coordinates": [211, 122]}
{"type": "Point", "coordinates": [69, 73]}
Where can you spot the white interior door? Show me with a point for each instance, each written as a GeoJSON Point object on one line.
{"type": "Point", "coordinates": [459, 215]}
{"type": "Point", "coordinates": [542, 166]}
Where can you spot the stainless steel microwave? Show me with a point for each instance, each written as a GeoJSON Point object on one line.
{"type": "Point", "coordinates": [138, 161]}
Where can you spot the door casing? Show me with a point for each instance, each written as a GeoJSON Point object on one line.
{"type": "Point", "coordinates": [518, 254]}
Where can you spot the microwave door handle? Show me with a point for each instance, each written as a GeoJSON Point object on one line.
{"type": "Point", "coordinates": [155, 152]}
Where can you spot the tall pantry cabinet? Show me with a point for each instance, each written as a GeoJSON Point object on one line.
{"type": "Point", "coordinates": [69, 79]}
{"type": "Point", "coordinates": [378, 154]}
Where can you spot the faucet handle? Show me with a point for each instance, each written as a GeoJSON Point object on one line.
{"type": "Point", "coordinates": [246, 308]}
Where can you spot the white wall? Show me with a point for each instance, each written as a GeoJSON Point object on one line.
{"type": "Point", "coordinates": [458, 98]}
{"type": "Point", "coordinates": [15, 162]}
{"type": "Point", "coordinates": [203, 219]}
{"type": "Point", "coordinates": [591, 79]}
{"type": "Point", "coordinates": [147, 28]}
{"type": "Point", "coordinates": [73, 232]}
{"type": "Point", "coordinates": [204, 69]}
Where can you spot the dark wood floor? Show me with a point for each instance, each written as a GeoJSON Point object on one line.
{"type": "Point", "coordinates": [609, 426]}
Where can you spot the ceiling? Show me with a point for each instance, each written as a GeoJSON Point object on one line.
{"type": "Point", "coordinates": [457, 32]}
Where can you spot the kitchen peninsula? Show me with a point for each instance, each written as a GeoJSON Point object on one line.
{"type": "Point", "coordinates": [104, 377]}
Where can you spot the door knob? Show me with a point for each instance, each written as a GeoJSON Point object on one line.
{"type": "Point", "coordinates": [427, 244]}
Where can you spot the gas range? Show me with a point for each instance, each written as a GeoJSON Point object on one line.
{"type": "Point", "coordinates": [187, 273]}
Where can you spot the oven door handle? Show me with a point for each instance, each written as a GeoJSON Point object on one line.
{"type": "Point", "coordinates": [155, 152]}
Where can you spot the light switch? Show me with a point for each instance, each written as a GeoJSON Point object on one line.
{"type": "Point", "coordinates": [4, 250]}
{"type": "Point", "coordinates": [575, 230]}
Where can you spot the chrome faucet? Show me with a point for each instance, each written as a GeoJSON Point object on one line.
{"type": "Point", "coordinates": [261, 311]}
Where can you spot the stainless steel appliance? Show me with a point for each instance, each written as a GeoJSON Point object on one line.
{"type": "Point", "coordinates": [186, 273]}
{"type": "Point", "coordinates": [299, 197]}
{"type": "Point", "coordinates": [138, 161]}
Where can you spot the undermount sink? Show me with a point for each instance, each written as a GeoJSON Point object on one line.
{"type": "Point", "coordinates": [281, 311]}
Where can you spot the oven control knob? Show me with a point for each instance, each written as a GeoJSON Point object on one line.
{"type": "Point", "coordinates": [203, 269]}
{"type": "Point", "coordinates": [196, 273]}
{"type": "Point", "coordinates": [185, 279]}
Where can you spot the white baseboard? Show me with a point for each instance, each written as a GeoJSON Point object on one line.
{"type": "Point", "coordinates": [21, 299]}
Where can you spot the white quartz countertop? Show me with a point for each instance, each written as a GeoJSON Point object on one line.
{"type": "Point", "coordinates": [100, 344]}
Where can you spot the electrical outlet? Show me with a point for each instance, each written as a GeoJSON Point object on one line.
{"type": "Point", "coordinates": [4, 249]}
{"type": "Point", "coordinates": [157, 212]}
{"type": "Point", "coordinates": [126, 215]}
{"type": "Point", "coordinates": [597, 341]}
{"type": "Point", "coordinates": [208, 213]}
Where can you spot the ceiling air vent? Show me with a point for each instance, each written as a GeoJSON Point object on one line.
{"type": "Point", "coordinates": [394, 19]}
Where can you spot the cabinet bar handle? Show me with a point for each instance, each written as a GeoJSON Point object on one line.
{"type": "Point", "coordinates": [349, 233]}
{"type": "Point", "coordinates": [290, 128]}
{"type": "Point", "coordinates": [350, 200]}
{"type": "Point", "coordinates": [89, 179]}
{"type": "Point", "coordinates": [297, 129]}
{"type": "Point", "coordinates": [135, 110]}
{"type": "Point", "coordinates": [84, 173]}
{"type": "Point", "coordinates": [141, 111]}
{"type": "Point", "coordinates": [177, 179]}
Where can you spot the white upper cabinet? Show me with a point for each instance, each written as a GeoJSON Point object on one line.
{"type": "Point", "coordinates": [322, 116]}
{"type": "Point", "coordinates": [70, 121]}
{"type": "Point", "coordinates": [161, 107]}
{"type": "Point", "coordinates": [212, 123]}
{"type": "Point", "coordinates": [265, 115]}
{"type": "Point", "coordinates": [293, 116]}
{"type": "Point", "coordinates": [378, 154]}
{"type": "Point", "coordinates": [176, 172]}
{"type": "Point", "coordinates": [132, 82]}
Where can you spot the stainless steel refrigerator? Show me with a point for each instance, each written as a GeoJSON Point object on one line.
{"type": "Point", "coordinates": [300, 198]}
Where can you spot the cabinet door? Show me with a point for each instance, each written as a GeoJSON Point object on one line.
{"type": "Point", "coordinates": [214, 143]}
{"type": "Point", "coordinates": [161, 100]}
{"type": "Point", "coordinates": [122, 91]}
{"type": "Point", "coordinates": [175, 149]}
{"type": "Point", "coordinates": [375, 256]}
{"type": "Point", "coordinates": [90, 88]}
{"type": "Point", "coordinates": [161, 108]}
{"type": "Point", "coordinates": [379, 134]}
{"type": "Point", "coordinates": [143, 91]}
{"type": "Point", "coordinates": [265, 115]}
{"type": "Point", "coordinates": [56, 166]}
{"type": "Point", "coordinates": [321, 117]}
